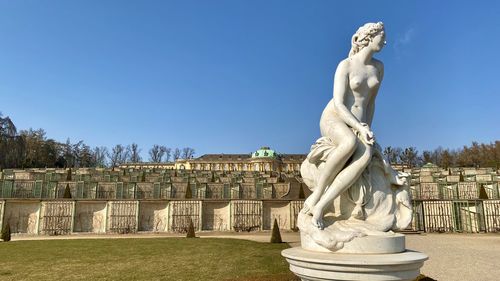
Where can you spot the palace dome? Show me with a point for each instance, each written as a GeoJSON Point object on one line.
{"type": "Point", "coordinates": [265, 152]}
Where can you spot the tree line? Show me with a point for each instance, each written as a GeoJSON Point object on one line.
{"type": "Point", "coordinates": [475, 155]}
{"type": "Point", "coordinates": [32, 149]}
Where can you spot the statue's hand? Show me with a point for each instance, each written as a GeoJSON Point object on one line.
{"type": "Point", "coordinates": [366, 134]}
{"type": "Point", "coordinates": [306, 210]}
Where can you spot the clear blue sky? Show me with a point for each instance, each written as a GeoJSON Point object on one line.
{"type": "Point", "coordinates": [231, 76]}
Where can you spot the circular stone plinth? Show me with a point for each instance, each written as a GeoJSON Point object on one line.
{"type": "Point", "coordinates": [388, 244]}
{"type": "Point", "coordinates": [319, 266]}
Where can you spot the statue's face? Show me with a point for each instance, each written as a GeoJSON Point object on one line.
{"type": "Point", "coordinates": [378, 42]}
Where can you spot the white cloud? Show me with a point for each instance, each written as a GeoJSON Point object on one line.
{"type": "Point", "coordinates": [403, 40]}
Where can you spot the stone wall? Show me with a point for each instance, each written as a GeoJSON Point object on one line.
{"type": "Point", "coordinates": [216, 216]}
{"type": "Point", "coordinates": [59, 217]}
{"type": "Point", "coordinates": [90, 216]}
{"type": "Point", "coordinates": [22, 217]}
{"type": "Point", "coordinates": [153, 216]}
{"type": "Point", "coordinates": [276, 210]}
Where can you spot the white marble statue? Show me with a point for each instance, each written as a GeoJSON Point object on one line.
{"type": "Point", "coordinates": [355, 192]}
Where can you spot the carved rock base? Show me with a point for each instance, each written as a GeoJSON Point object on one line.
{"type": "Point", "coordinates": [318, 266]}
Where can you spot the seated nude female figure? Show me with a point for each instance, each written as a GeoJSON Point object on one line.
{"type": "Point", "coordinates": [347, 118]}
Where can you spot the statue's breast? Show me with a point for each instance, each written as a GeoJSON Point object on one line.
{"type": "Point", "coordinates": [372, 82]}
{"type": "Point", "coordinates": [356, 82]}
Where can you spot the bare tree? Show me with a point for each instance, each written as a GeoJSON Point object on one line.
{"type": "Point", "coordinates": [447, 159]}
{"type": "Point", "coordinates": [168, 154]}
{"type": "Point", "coordinates": [68, 154]}
{"type": "Point", "coordinates": [100, 156]}
{"type": "Point", "coordinates": [427, 156]}
{"type": "Point", "coordinates": [118, 155]}
{"type": "Point", "coordinates": [7, 127]}
{"type": "Point", "coordinates": [156, 153]}
{"type": "Point", "coordinates": [410, 156]}
{"type": "Point", "coordinates": [76, 151]}
{"type": "Point", "coordinates": [33, 142]}
{"type": "Point", "coordinates": [187, 152]}
{"type": "Point", "coordinates": [391, 154]}
{"type": "Point", "coordinates": [163, 150]}
{"type": "Point", "coordinates": [177, 154]}
{"type": "Point", "coordinates": [86, 159]}
{"type": "Point", "coordinates": [134, 153]}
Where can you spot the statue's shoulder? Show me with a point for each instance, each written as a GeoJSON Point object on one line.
{"type": "Point", "coordinates": [343, 67]}
{"type": "Point", "coordinates": [345, 63]}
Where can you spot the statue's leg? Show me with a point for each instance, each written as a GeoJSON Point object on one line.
{"type": "Point", "coordinates": [344, 180]}
{"type": "Point", "coordinates": [345, 144]}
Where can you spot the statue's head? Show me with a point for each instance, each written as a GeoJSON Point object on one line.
{"type": "Point", "coordinates": [370, 34]}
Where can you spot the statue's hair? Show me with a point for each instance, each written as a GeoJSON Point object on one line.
{"type": "Point", "coordinates": [364, 35]}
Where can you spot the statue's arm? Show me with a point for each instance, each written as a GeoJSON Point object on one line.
{"type": "Point", "coordinates": [340, 88]}
{"type": "Point", "coordinates": [371, 104]}
{"type": "Point", "coordinates": [371, 108]}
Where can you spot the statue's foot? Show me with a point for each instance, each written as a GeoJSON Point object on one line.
{"type": "Point", "coordinates": [317, 221]}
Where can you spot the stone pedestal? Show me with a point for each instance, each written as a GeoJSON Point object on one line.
{"type": "Point", "coordinates": [389, 243]}
{"type": "Point", "coordinates": [316, 266]}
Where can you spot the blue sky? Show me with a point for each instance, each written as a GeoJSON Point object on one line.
{"type": "Point", "coordinates": [231, 76]}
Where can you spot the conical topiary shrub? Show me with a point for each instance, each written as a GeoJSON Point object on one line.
{"type": "Point", "coordinates": [189, 193]}
{"type": "Point", "coordinates": [6, 233]}
{"type": "Point", "coordinates": [68, 176]}
{"type": "Point", "coordinates": [190, 231]}
{"type": "Point", "coordinates": [482, 192]}
{"type": "Point", "coordinates": [67, 192]}
{"type": "Point", "coordinates": [275, 235]}
{"type": "Point", "coordinates": [301, 192]}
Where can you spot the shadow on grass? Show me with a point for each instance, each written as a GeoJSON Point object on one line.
{"type": "Point", "coordinates": [275, 277]}
{"type": "Point", "coordinates": [424, 278]}
{"type": "Point", "coordinates": [291, 277]}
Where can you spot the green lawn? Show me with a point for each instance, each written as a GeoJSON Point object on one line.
{"type": "Point", "coordinates": [143, 259]}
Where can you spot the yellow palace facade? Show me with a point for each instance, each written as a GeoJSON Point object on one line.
{"type": "Point", "coordinates": [262, 160]}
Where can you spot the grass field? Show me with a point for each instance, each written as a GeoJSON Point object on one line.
{"type": "Point", "coordinates": [143, 259]}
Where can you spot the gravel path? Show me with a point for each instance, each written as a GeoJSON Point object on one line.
{"type": "Point", "coordinates": [467, 257]}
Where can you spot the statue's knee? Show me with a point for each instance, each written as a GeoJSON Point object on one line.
{"type": "Point", "coordinates": [348, 145]}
